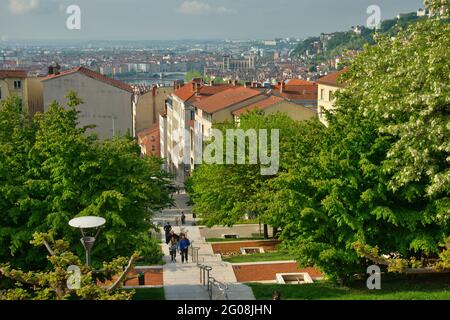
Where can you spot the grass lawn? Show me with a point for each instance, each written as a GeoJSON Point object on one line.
{"type": "Point", "coordinates": [419, 287]}
{"type": "Point", "coordinates": [149, 294]}
{"type": "Point", "coordinates": [260, 257]}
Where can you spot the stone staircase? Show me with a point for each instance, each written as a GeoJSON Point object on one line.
{"type": "Point", "coordinates": [182, 281]}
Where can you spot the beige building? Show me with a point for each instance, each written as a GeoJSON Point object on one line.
{"type": "Point", "coordinates": [29, 89]}
{"type": "Point", "coordinates": [176, 123]}
{"type": "Point", "coordinates": [14, 82]}
{"type": "Point", "coordinates": [35, 95]}
{"type": "Point", "coordinates": [328, 86]}
{"type": "Point", "coordinates": [108, 104]}
{"type": "Point", "coordinates": [150, 104]}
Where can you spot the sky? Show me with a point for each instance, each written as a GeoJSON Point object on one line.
{"type": "Point", "coordinates": [188, 19]}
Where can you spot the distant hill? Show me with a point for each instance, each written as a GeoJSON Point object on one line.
{"type": "Point", "coordinates": [330, 45]}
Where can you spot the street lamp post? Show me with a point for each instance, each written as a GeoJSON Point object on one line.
{"type": "Point", "coordinates": [88, 225]}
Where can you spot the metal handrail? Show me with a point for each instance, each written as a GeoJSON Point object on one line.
{"type": "Point", "coordinates": [211, 282]}
{"type": "Point", "coordinates": [194, 254]}
{"type": "Point", "coordinates": [220, 286]}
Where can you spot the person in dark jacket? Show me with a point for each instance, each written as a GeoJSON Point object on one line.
{"type": "Point", "coordinates": [183, 218]}
{"type": "Point", "coordinates": [167, 229]}
{"type": "Point", "coordinates": [184, 248]}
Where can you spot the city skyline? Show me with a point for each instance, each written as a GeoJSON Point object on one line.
{"type": "Point", "coordinates": [140, 20]}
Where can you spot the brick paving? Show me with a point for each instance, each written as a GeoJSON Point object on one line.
{"type": "Point", "coordinates": [153, 277]}
{"type": "Point", "coordinates": [236, 246]}
{"type": "Point", "coordinates": [267, 272]}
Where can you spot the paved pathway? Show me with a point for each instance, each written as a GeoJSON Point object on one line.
{"type": "Point", "coordinates": [182, 281]}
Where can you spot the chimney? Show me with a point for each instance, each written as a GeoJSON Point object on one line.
{"type": "Point", "coordinates": [175, 85]}
{"type": "Point", "coordinates": [57, 68]}
{"type": "Point", "coordinates": [194, 86]}
{"type": "Point", "coordinates": [197, 89]}
{"type": "Point", "coordinates": [51, 70]}
{"type": "Point", "coordinates": [282, 87]}
{"type": "Point", "coordinates": [154, 88]}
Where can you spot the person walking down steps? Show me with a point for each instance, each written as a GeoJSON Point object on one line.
{"type": "Point", "coordinates": [173, 247]}
{"type": "Point", "coordinates": [184, 248]}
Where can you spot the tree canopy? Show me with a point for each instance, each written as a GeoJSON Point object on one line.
{"type": "Point", "coordinates": [62, 282]}
{"type": "Point", "coordinates": [51, 171]}
{"type": "Point", "coordinates": [374, 186]}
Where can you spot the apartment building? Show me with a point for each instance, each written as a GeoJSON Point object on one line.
{"type": "Point", "coordinates": [13, 82]}
{"type": "Point", "coordinates": [176, 122]}
{"type": "Point", "coordinates": [29, 89]}
{"type": "Point", "coordinates": [193, 109]}
{"type": "Point", "coordinates": [149, 141]}
{"type": "Point", "coordinates": [108, 104]}
{"type": "Point", "coordinates": [150, 103]}
{"type": "Point", "coordinates": [328, 86]}
{"type": "Point", "coordinates": [298, 91]}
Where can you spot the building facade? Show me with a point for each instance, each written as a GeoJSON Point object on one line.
{"type": "Point", "coordinates": [14, 82]}
{"type": "Point", "coordinates": [149, 141]}
{"type": "Point", "coordinates": [107, 103]}
{"type": "Point", "coordinates": [149, 105]}
{"type": "Point", "coordinates": [328, 86]}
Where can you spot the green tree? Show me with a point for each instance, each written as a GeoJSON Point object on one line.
{"type": "Point", "coordinates": [52, 171]}
{"type": "Point", "coordinates": [56, 283]}
{"type": "Point", "coordinates": [380, 180]}
{"type": "Point", "coordinates": [192, 75]}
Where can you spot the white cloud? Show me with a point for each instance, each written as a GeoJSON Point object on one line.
{"type": "Point", "coordinates": [23, 6]}
{"type": "Point", "coordinates": [199, 7]}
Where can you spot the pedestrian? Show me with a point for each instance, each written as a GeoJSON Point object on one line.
{"type": "Point", "coordinates": [183, 218]}
{"type": "Point", "coordinates": [173, 247]}
{"type": "Point", "coordinates": [177, 221]}
{"type": "Point", "coordinates": [167, 229]}
{"type": "Point", "coordinates": [184, 247]}
{"type": "Point", "coordinates": [276, 295]}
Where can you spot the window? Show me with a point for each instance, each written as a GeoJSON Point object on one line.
{"type": "Point", "coordinates": [331, 96]}
{"type": "Point", "coordinates": [322, 93]}
{"type": "Point", "coordinates": [17, 85]}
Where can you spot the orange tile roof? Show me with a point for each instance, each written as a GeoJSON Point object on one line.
{"type": "Point", "coordinates": [332, 78]}
{"type": "Point", "coordinates": [298, 90]}
{"type": "Point", "coordinates": [153, 129]}
{"type": "Point", "coordinates": [94, 75]}
{"type": "Point", "coordinates": [21, 74]}
{"type": "Point", "coordinates": [260, 105]}
{"type": "Point", "coordinates": [299, 82]}
{"type": "Point", "coordinates": [186, 93]}
{"type": "Point", "coordinates": [225, 99]}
